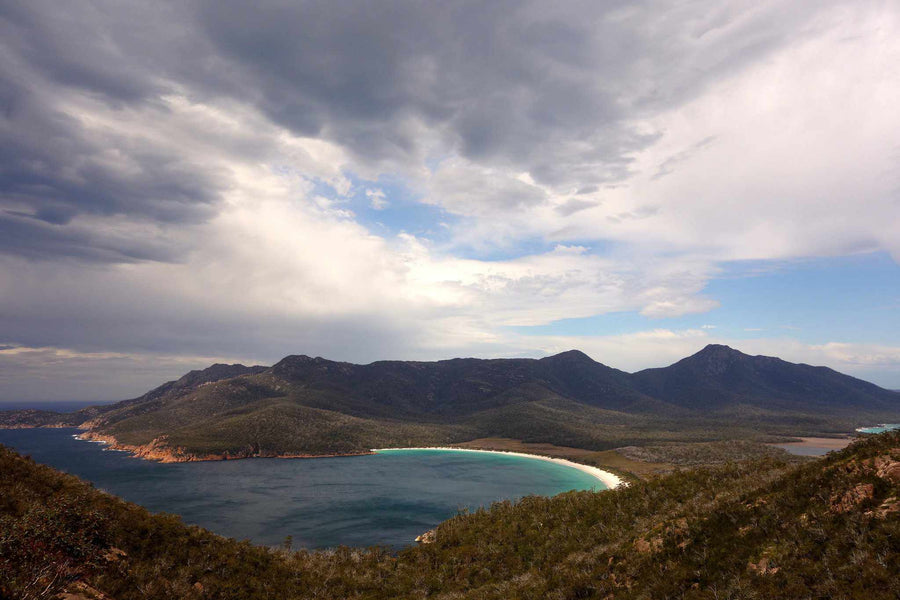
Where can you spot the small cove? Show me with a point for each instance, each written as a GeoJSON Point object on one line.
{"type": "Point", "coordinates": [381, 499]}
{"type": "Point", "coordinates": [881, 428]}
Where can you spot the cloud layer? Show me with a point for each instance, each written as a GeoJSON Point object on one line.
{"type": "Point", "coordinates": [177, 178]}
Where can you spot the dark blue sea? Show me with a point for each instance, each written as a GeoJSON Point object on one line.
{"type": "Point", "coordinates": [381, 499]}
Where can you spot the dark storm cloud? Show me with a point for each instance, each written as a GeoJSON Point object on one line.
{"type": "Point", "coordinates": [54, 168]}
{"type": "Point", "coordinates": [33, 238]}
{"type": "Point", "coordinates": [503, 81]}
{"type": "Point", "coordinates": [71, 45]}
{"type": "Point", "coordinates": [554, 90]}
{"type": "Point", "coordinates": [50, 162]}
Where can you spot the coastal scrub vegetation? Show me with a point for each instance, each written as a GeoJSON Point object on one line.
{"type": "Point", "coordinates": [763, 528]}
{"type": "Point", "coordinates": [703, 453]}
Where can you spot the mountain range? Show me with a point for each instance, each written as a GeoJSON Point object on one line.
{"type": "Point", "coordinates": [305, 406]}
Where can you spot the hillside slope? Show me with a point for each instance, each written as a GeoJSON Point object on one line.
{"type": "Point", "coordinates": [763, 529]}
{"type": "Point", "coordinates": [171, 389]}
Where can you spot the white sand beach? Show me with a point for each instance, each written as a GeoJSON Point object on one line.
{"type": "Point", "coordinates": [609, 479]}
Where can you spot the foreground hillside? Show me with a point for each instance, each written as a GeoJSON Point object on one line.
{"type": "Point", "coordinates": [763, 529]}
{"type": "Point", "coordinates": [312, 406]}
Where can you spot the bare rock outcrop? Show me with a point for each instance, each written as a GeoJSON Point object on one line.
{"type": "Point", "coordinates": [852, 498]}
{"type": "Point", "coordinates": [427, 537]}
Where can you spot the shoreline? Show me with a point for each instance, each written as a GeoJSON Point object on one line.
{"type": "Point", "coordinates": [158, 451]}
{"type": "Point", "coordinates": [884, 427]}
{"type": "Point", "coordinates": [611, 480]}
{"type": "Point", "coordinates": [829, 443]}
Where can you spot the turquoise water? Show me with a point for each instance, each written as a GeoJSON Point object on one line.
{"type": "Point", "coordinates": [879, 428]}
{"type": "Point", "coordinates": [383, 499]}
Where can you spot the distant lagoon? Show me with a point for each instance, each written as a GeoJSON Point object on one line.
{"type": "Point", "coordinates": [817, 446]}
{"type": "Point", "coordinates": [380, 499]}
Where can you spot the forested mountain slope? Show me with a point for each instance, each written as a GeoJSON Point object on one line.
{"type": "Point", "coordinates": [719, 377]}
{"type": "Point", "coordinates": [314, 406]}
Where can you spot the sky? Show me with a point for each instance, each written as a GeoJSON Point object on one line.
{"type": "Point", "coordinates": [190, 182]}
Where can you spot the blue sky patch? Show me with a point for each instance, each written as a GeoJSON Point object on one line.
{"type": "Point", "coordinates": [853, 298]}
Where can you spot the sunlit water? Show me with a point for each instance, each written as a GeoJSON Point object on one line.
{"type": "Point", "coordinates": [381, 499]}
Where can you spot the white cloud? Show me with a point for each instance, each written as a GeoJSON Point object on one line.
{"type": "Point", "coordinates": [803, 160]}
{"type": "Point", "coordinates": [791, 156]}
{"type": "Point", "coordinates": [853, 357]}
{"type": "Point", "coordinates": [629, 352]}
{"type": "Point", "coordinates": [377, 199]}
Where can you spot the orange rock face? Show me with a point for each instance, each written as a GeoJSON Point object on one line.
{"type": "Point", "coordinates": [887, 467]}
{"type": "Point", "coordinates": [762, 567]}
{"type": "Point", "coordinates": [852, 498]}
{"type": "Point", "coordinates": [159, 450]}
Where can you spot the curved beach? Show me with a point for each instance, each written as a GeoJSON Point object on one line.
{"type": "Point", "coordinates": [609, 479]}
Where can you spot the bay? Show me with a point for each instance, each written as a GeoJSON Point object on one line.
{"type": "Point", "coordinates": [380, 499]}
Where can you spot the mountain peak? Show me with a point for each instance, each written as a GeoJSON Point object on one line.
{"type": "Point", "coordinates": [216, 372]}
{"type": "Point", "coordinates": [296, 358]}
{"type": "Point", "coordinates": [571, 356]}
{"type": "Point", "coordinates": [718, 349]}
{"type": "Point", "coordinates": [301, 365]}
{"type": "Point", "coordinates": [714, 360]}
{"type": "Point", "coordinates": [716, 353]}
